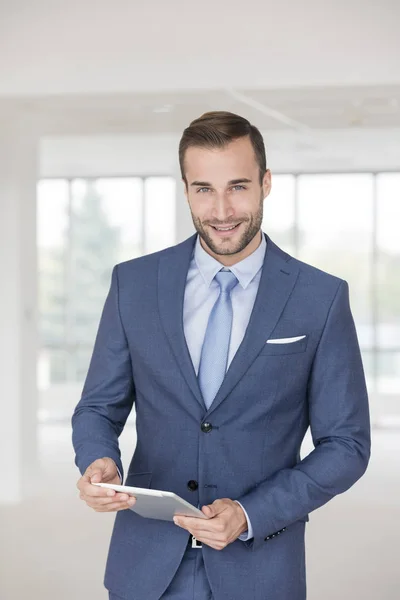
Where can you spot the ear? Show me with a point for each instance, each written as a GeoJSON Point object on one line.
{"type": "Point", "coordinates": [266, 185]}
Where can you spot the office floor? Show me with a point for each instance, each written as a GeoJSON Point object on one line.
{"type": "Point", "coordinates": [53, 547]}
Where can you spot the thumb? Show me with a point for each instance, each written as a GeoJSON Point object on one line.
{"type": "Point", "coordinates": [96, 476]}
{"type": "Point", "coordinates": [208, 510]}
{"type": "Point", "coordinates": [95, 471]}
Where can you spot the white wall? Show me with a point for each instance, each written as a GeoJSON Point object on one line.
{"type": "Point", "coordinates": [74, 156]}
{"type": "Point", "coordinates": [18, 326]}
{"type": "Point", "coordinates": [288, 151]}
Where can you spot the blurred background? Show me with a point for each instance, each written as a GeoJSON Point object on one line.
{"type": "Point", "coordinates": [93, 99]}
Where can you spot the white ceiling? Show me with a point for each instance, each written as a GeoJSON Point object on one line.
{"type": "Point", "coordinates": [295, 69]}
{"type": "Point", "coordinates": [97, 46]}
{"type": "Point", "coordinates": [298, 109]}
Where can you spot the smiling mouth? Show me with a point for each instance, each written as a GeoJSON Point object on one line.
{"type": "Point", "coordinates": [229, 228]}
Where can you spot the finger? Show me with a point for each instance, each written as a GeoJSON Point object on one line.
{"type": "Point", "coordinates": [95, 491]}
{"type": "Point", "coordinates": [99, 464]}
{"type": "Point", "coordinates": [100, 468]}
{"type": "Point", "coordinates": [96, 476]}
{"type": "Point", "coordinates": [189, 522]}
{"type": "Point", "coordinates": [94, 502]}
{"type": "Point", "coordinates": [217, 507]}
{"type": "Point", "coordinates": [216, 544]}
{"type": "Point", "coordinates": [115, 507]}
{"type": "Point", "coordinates": [200, 526]}
{"type": "Point", "coordinates": [217, 541]}
{"type": "Point", "coordinates": [82, 481]}
{"type": "Point", "coordinates": [218, 535]}
{"type": "Point", "coordinates": [208, 511]}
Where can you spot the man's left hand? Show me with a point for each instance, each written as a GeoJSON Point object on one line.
{"type": "Point", "coordinates": [226, 521]}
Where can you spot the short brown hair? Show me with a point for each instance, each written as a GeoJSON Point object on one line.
{"type": "Point", "coordinates": [215, 130]}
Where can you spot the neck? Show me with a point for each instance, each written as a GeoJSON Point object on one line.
{"type": "Point", "coordinates": [231, 259]}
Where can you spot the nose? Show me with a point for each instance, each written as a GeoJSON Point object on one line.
{"type": "Point", "coordinates": [222, 209]}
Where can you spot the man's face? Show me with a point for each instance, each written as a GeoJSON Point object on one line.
{"type": "Point", "coordinates": [224, 191]}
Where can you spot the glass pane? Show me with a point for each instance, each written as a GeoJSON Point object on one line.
{"type": "Point", "coordinates": [122, 202]}
{"type": "Point", "coordinates": [53, 368]}
{"type": "Point", "coordinates": [336, 235]}
{"type": "Point", "coordinates": [52, 231]}
{"type": "Point", "coordinates": [388, 260]}
{"type": "Point", "coordinates": [84, 228]}
{"type": "Point", "coordinates": [388, 373]}
{"type": "Point", "coordinates": [105, 228]}
{"type": "Point", "coordinates": [160, 206]}
{"type": "Point", "coordinates": [279, 212]}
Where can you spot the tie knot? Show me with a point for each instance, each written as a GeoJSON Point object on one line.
{"type": "Point", "coordinates": [226, 281]}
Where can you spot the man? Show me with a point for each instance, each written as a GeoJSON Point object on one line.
{"type": "Point", "coordinates": [229, 348]}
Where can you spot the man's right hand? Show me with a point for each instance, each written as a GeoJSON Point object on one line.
{"type": "Point", "coordinates": [103, 470]}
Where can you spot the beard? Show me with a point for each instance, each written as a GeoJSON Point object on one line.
{"type": "Point", "coordinates": [252, 226]}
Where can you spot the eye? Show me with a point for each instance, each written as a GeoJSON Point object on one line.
{"type": "Point", "coordinates": [203, 189]}
{"type": "Point", "coordinates": [238, 187]}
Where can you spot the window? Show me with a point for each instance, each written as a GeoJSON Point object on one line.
{"type": "Point", "coordinates": [85, 227]}
{"type": "Point", "coordinates": [387, 290]}
{"type": "Point", "coordinates": [348, 225]}
{"type": "Point", "coordinates": [336, 234]}
{"type": "Point", "coordinates": [279, 212]}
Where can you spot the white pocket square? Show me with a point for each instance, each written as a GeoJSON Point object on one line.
{"type": "Point", "coordinates": [285, 340]}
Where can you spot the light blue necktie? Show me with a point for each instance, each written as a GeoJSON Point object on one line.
{"type": "Point", "coordinates": [214, 353]}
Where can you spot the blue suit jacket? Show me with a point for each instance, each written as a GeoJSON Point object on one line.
{"type": "Point", "coordinates": [269, 397]}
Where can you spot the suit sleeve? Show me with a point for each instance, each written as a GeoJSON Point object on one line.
{"type": "Point", "coordinates": [340, 428]}
{"type": "Point", "coordinates": [108, 392]}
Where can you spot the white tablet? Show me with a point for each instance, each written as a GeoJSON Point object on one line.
{"type": "Point", "coordinates": [156, 504]}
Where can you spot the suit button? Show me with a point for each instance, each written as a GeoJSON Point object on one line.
{"type": "Point", "coordinates": [206, 427]}
{"type": "Point", "coordinates": [192, 485]}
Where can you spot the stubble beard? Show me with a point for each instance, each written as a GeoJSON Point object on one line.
{"type": "Point", "coordinates": [252, 227]}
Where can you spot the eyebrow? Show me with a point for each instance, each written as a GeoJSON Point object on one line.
{"type": "Point", "coordinates": [231, 182]}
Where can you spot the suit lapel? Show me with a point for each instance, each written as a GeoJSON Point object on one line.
{"type": "Point", "coordinates": [173, 269]}
{"type": "Point", "coordinates": [278, 278]}
{"type": "Point", "coordinates": [277, 281]}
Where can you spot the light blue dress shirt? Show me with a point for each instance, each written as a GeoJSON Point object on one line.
{"type": "Point", "coordinates": [201, 293]}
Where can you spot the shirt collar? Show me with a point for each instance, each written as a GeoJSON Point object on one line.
{"type": "Point", "coordinates": [245, 270]}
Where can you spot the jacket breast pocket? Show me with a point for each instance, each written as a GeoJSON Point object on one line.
{"type": "Point", "coordinates": [274, 349]}
{"type": "Point", "coordinates": [139, 479]}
